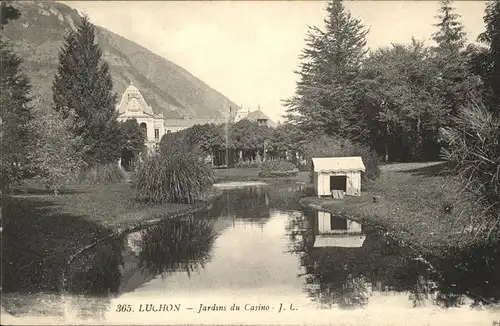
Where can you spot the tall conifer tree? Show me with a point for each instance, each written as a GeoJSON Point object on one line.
{"type": "Point", "coordinates": [455, 84]}
{"type": "Point", "coordinates": [327, 95]}
{"type": "Point", "coordinates": [491, 37]}
{"type": "Point", "coordinates": [83, 85]}
{"type": "Point", "coordinates": [17, 134]}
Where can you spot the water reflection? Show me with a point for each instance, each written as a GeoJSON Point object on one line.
{"type": "Point", "coordinates": [176, 245]}
{"type": "Point", "coordinates": [345, 265]}
{"type": "Point", "coordinates": [328, 261]}
{"type": "Point", "coordinates": [334, 231]}
{"type": "Point", "coordinates": [256, 203]}
{"type": "Point", "coordinates": [122, 265]}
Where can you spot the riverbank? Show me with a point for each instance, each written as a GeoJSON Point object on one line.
{"type": "Point", "coordinates": [416, 203]}
{"type": "Point", "coordinates": [252, 174]}
{"type": "Point", "coordinates": [41, 232]}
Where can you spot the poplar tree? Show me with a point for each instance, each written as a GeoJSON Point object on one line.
{"type": "Point", "coordinates": [328, 92]}
{"type": "Point", "coordinates": [83, 85]}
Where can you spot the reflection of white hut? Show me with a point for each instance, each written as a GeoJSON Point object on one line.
{"type": "Point", "coordinates": [133, 242]}
{"type": "Point", "coordinates": [334, 231]}
{"type": "Point", "coordinates": [339, 174]}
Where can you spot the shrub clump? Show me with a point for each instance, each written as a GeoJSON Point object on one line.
{"type": "Point", "coordinates": [278, 168]}
{"type": "Point", "coordinates": [327, 146]}
{"type": "Point", "coordinates": [173, 176]}
{"type": "Point", "coordinates": [102, 173]}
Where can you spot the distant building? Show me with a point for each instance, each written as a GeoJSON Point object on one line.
{"type": "Point", "coordinates": [133, 106]}
{"type": "Point", "coordinates": [258, 116]}
{"type": "Point", "coordinates": [337, 174]}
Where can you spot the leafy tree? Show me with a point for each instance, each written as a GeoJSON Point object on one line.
{"type": "Point", "coordinates": [16, 131]}
{"type": "Point", "coordinates": [133, 140]}
{"type": "Point", "coordinates": [326, 97]}
{"type": "Point", "coordinates": [83, 85]}
{"type": "Point", "coordinates": [491, 37]}
{"type": "Point", "coordinates": [57, 158]}
{"type": "Point", "coordinates": [405, 112]}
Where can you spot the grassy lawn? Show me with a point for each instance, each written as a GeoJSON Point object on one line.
{"type": "Point", "coordinates": [252, 174]}
{"type": "Point", "coordinates": [418, 203]}
{"type": "Point", "coordinates": [40, 231]}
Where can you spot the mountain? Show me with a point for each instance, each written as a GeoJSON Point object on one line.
{"type": "Point", "coordinates": [38, 35]}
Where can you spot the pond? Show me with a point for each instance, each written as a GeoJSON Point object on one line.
{"type": "Point", "coordinates": [258, 257]}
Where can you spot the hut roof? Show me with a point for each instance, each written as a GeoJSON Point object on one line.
{"type": "Point", "coordinates": [338, 164]}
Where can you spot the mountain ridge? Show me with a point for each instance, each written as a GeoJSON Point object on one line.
{"type": "Point", "coordinates": [38, 35]}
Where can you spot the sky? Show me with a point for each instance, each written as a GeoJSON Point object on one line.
{"type": "Point", "coordinates": [249, 50]}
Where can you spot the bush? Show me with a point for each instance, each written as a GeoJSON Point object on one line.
{"type": "Point", "coordinates": [246, 164]}
{"type": "Point", "coordinates": [173, 176]}
{"type": "Point", "coordinates": [327, 146]}
{"type": "Point", "coordinates": [278, 169]}
{"type": "Point", "coordinates": [102, 173]}
{"type": "Point", "coordinates": [473, 145]}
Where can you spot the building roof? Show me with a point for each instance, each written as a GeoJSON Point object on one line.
{"type": "Point", "coordinates": [259, 115]}
{"type": "Point", "coordinates": [338, 164]}
{"type": "Point", "coordinates": [192, 122]}
{"type": "Point", "coordinates": [125, 106]}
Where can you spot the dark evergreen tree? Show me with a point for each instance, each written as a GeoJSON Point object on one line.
{"type": "Point", "coordinates": [327, 97]}
{"type": "Point", "coordinates": [455, 85]}
{"type": "Point", "coordinates": [17, 133]}
{"type": "Point", "coordinates": [83, 86]}
{"type": "Point", "coordinates": [491, 37]}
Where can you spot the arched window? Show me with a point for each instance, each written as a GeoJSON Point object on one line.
{"type": "Point", "coordinates": [144, 128]}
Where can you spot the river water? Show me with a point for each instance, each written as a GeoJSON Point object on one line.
{"type": "Point", "coordinates": [258, 257]}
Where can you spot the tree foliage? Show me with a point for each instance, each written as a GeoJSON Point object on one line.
{"type": "Point", "coordinates": [473, 144]}
{"type": "Point", "coordinates": [7, 13]}
{"type": "Point", "coordinates": [17, 134]}
{"type": "Point", "coordinates": [491, 37]}
{"type": "Point", "coordinates": [132, 142]}
{"type": "Point", "coordinates": [327, 93]}
{"type": "Point", "coordinates": [56, 156]}
{"type": "Point", "coordinates": [83, 85]}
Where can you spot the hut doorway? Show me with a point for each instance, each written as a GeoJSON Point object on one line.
{"type": "Point", "coordinates": [338, 182]}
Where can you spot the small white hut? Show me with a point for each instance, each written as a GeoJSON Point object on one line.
{"type": "Point", "coordinates": [337, 174]}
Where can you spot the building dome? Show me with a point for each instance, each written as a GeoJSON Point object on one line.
{"type": "Point", "coordinates": [131, 88]}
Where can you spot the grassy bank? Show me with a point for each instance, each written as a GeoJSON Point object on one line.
{"type": "Point", "coordinates": [252, 174]}
{"type": "Point", "coordinates": [40, 231]}
{"type": "Point", "coordinates": [417, 203]}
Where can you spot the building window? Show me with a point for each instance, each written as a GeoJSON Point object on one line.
{"type": "Point", "coordinates": [157, 133]}
{"type": "Point", "coordinates": [169, 131]}
{"type": "Point", "coordinates": [144, 129]}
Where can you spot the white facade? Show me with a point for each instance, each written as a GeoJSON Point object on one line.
{"type": "Point", "coordinates": [133, 106]}
{"type": "Point", "coordinates": [337, 173]}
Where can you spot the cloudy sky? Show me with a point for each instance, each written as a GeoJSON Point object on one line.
{"type": "Point", "coordinates": [248, 50]}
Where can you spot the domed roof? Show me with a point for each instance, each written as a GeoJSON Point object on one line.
{"type": "Point", "coordinates": [131, 88]}
{"type": "Point", "coordinates": [133, 101]}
